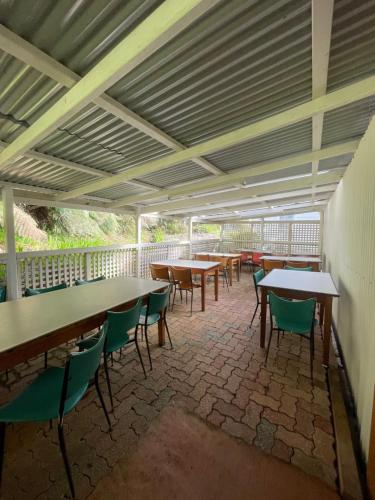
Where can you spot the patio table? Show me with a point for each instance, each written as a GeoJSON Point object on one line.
{"type": "Point", "coordinates": [300, 285]}
{"type": "Point", "coordinates": [233, 258]}
{"type": "Point", "coordinates": [313, 262]}
{"type": "Point", "coordinates": [201, 267]}
{"type": "Point", "coordinates": [34, 325]}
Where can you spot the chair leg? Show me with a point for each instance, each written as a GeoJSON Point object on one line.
{"type": "Point", "coordinates": [252, 319]}
{"type": "Point", "coordinates": [269, 344]}
{"type": "Point", "coordinates": [107, 378]}
{"type": "Point", "coordinates": [111, 358]}
{"type": "Point", "coordinates": [65, 458]}
{"type": "Point", "coordinates": [191, 302]}
{"type": "Point", "coordinates": [311, 358]}
{"type": "Point", "coordinates": [101, 399]}
{"type": "Point", "coordinates": [226, 279]}
{"type": "Point", "coordinates": [139, 352]}
{"type": "Point", "coordinates": [166, 327]}
{"type": "Point", "coordinates": [148, 347]}
{"type": "Point", "coordinates": [2, 447]}
{"type": "Point", "coordinates": [278, 337]}
{"type": "Point", "coordinates": [45, 360]}
{"type": "Point", "coordinates": [174, 297]}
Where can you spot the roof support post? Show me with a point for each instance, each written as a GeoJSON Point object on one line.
{"type": "Point", "coordinates": [10, 238]}
{"type": "Point", "coordinates": [190, 235]}
{"type": "Point", "coordinates": [138, 240]}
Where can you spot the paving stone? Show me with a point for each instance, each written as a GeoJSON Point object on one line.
{"type": "Point", "coordinates": [265, 435]}
{"type": "Point", "coordinates": [229, 410]}
{"type": "Point", "coordinates": [324, 446]}
{"type": "Point", "coordinates": [252, 415]}
{"type": "Point", "coordinates": [294, 440]}
{"type": "Point", "coordinates": [288, 405]}
{"type": "Point", "coordinates": [281, 450]}
{"type": "Point", "coordinates": [304, 423]}
{"type": "Point", "coordinates": [278, 418]}
{"type": "Point", "coordinates": [239, 430]}
{"type": "Point", "coordinates": [233, 383]}
{"type": "Point", "coordinates": [216, 418]}
{"type": "Point", "coordinates": [205, 405]}
{"type": "Point", "coordinates": [264, 400]}
{"type": "Point", "coordinates": [315, 467]}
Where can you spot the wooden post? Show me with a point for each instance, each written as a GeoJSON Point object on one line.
{"type": "Point", "coordinates": [88, 265]}
{"type": "Point", "coordinates": [190, 235]}
{"type": "Point", "coordinates": [10, 239]}
{"type": "Point", "coordinates": [138, 240]}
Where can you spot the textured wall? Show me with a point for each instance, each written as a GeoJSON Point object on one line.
{"type": "Point", "coordinates": [349, 249]}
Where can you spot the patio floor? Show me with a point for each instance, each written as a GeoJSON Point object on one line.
{"type": "Point", "coordinates": [215, 370]}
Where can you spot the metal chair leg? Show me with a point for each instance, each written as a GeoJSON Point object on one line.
{"type": "Point", "coordinates": [139, 352]}
{"type": "Point", "coordinates": [148, 347]}
{"type": "Point", "coordinates": [191, 302]}
{"type": "Point", "coordinates": [107, 378]}
{"type": "Point", "coordinates": [101, 399]}
{"type": "Point", "coordinates": [166, 327]}
{"type": "Point", "coordinates": [252, 319]}
{"type": "Point", "coordinates": [2, 447]}
{"type": "Point", "coordinates": [278, 337]}
{"type": "Point", "coordinates": [45, 360]}
{"type": "Point", "coordinates": [65, 458]}
{"type": "Point", "coordinates": [174, 297]}
{"type": "Point", "coordinates": [269, 344]}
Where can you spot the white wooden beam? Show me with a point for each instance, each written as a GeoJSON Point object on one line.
{"type": "Point", "coordinates": [345, 95]}
{"type": "Point", "coordinates": [238, 175]}
{"type": "Point", "coordinates": [262, 189]}
{"type": "Point", "coordinates": [258, 201]}
{"type": "Point", "coordinates": [24, 51]}
{"type": "Point", "coordinates": [321, 15]}
{"type": "Point", "coordinates": [311, 207]}
{"type": "Point", "coordinates": [10, 239]}
{"type": "Point", "coordinates": [156, 30]}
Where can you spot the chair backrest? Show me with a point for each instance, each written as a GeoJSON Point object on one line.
{"type": "Point", "coordinates": [3, 293]}
{"type": "Point", "coordinates": [268, 265]}
{"type": "Point", "coordinates": [204, 257]}
{"type": "Point", "coordinates": [86, 282]}
{"type": "Point", "coordinates": [217, 258]}
{"type": "Point", "coordinates": [80, 369]}
{"type": "Point", "coordinates": [293, 263]}
{"type": "Point", "coordinates": [182, 275]}
{"type": "Point", "coordinates": [300, 312]}
{"type": "Point", "coordinates": [157, 301]}
{"type": "Point", "coordinates": [257, 258]}
{"type": "Point", "coordinates": [258, 276]}
{"type": "Point", "coordinates": [118, 324]}
{"type": "Point", "coordinates": [245, 256]}
{"type": "Point", "coordinates": [160, 273]}
{"type": "Point", "coordinates": [37, 291]}
{"type": "Point", "coordinates": [290, 268]}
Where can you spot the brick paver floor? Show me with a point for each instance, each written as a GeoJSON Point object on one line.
{"type": "Point", "coordinates": [215, 370]}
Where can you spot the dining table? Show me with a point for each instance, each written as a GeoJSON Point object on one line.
{"type": "Point", "coordinates": [301, 285]}
{"type": "Point", "coordinates": [33, 325]}
{"type": "Point", "coordinates": [200, 267]}
{"type": "Point", "coordinates": [234, 259]}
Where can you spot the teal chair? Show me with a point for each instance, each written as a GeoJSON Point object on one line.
{"type": "Point", "coordinates": [38, 291]}
{"type": "Point", "coordinates": [29, 292]}
{"type": "Point", "coordinates": [53, 394]}
{"type": "Point", "coordinates": [3, 293]}
{"type": "Point", "coordinates": [86, 282]}
{"type": "Point", "coordinates": [290, 268]}
{"type": "Point", "coordinates": [257, 277]}
{"type": "Point", "coordinates": [295, 316]}
{"type": "Point", "coordinates": [157, 305]}
{"type": "Point", "coordinates": [116, 328]}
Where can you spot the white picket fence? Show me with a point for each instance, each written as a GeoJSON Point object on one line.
{"type": "Point", "coordinates": [47, 268]}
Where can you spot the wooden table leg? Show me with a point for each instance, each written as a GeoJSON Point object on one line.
{"type": "Point", "coordinates": [217, 284]}
{"type": "Point", "coordinates": [327, 329]}
{"type": "Point", "coordinates": [263, 316]}
{"type": "Point", "coordinates": [230, 272]}
{"type": "Point", "coordinates": [203, 291]}
{"type": "Point", "coordinates": [321, 314]}
{"type": "Point", "coordinates": [161, 332]}
{"type": "Point", "coordinates": [238, 269]}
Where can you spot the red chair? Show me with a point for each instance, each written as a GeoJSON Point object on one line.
{"type": "Point", "coordinates": [256, 260]}
{"type": "Point", "coordinates": [246, 258]}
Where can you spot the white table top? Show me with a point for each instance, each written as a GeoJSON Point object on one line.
{"type": "Point", "coordinates": [188, 264]}
{"type": "Point", "coordinates": [301, 281]}
{"type": "Point", "coordinates": [219, 254]}
{"type": "Point", "coordinates": [29, 318]}
{"type": "Point", "coordinates": [285, 258]}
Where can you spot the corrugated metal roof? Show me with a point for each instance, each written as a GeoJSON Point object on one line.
{"type": "Point", "coordinates": [352, 54]}
{"type": "Point", "coordinates": [242, 61]}
{"type": "Point", "coordinates": [285, 141]}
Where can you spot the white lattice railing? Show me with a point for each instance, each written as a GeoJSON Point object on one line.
{"type": "Point", "coordinates": [47, 268]}
{"type": "Point", "coordinates": [284, 237]}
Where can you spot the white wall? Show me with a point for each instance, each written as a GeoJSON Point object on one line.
{"type": "Point", "coordinates": [349, 249]}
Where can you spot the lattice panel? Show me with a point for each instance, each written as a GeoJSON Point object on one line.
{"type": "Point", "coordinates": [305, 233]}
{"type": "Point", "coordinates": [274, 231]}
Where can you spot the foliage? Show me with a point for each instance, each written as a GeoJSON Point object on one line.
{"type": "Point", "coordinates": [207, 228]}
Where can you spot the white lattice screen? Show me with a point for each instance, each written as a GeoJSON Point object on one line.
{"type": "Point", "coordinates": [284, 237]}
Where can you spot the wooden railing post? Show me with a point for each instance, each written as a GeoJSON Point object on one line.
{"type": "Point", "coordinates": [138, 240]}
{"type": "Point", "coordinates": [88, 265]}
{"type": "Point", "coordinates": [10, 238]}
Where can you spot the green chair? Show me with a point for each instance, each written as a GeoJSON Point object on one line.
{"type": "Point", "coordinates": [37, 291]}
{"type": "Point", "coordinates": [295, 316]}
{"type": "Point", "coordinates": [53, 394]}
{"type": "Point", "coordinates": [3, 293]}
{"type": "Point", "coordinates": [116, 328]}
{"type": "Point", "coordinates": [257, 277]}
{"type": "Point", "coordinates": [290, 268]}
{"type": "Point", "coordinates": [157, 304]}
{"type": "Point", "coordinates": [86, 282]}
{"type": "Point", "coordinates": [29, 292]}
